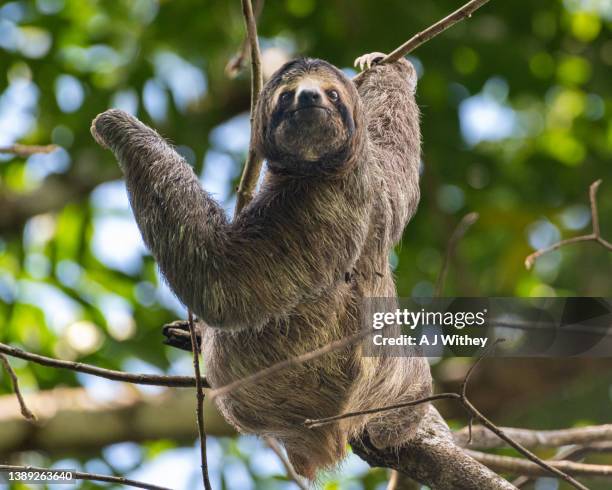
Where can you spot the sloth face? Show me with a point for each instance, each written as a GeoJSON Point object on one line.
{"type": "Point", "coordinates": [307, 116]}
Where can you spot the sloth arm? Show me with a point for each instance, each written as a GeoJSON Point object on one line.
{"type": "Point", "coordinates": [231, 274]}
{"type": "Point", "coordinates": [387, 94]}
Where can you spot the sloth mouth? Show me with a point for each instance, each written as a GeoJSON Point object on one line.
{"type": "Point", "coordinates": [309, 107]}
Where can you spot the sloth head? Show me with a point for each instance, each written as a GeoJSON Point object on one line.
{"type": "Point", "coordinates": [308, 120]}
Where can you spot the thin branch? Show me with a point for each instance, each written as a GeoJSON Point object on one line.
{"type": "Point", "coordinates": [518, 466]}
{"type": "Point", "coordinates": [25, 411]}
{"type": "Point", "coordinates": [291, 474]}
{"type": "Point", "coordinates": [195, 347]}
{"type": "Point", "coordinates": [252, 167]}
{"type": "Point", "coordinates": [236, 64]}
{"type": "Point", "coordinates": [79, 475]}
{"type": "Point", "coordinates": [311, 423]}
{"type": "Point", "coordinates": [139, 379]}
{"type": "Point", "coordinates": [432, 31]}
{"type": "Point", "coordinates": [595, 236]}
{"type": "Point", "coordinates": [466, 222]}
{"type": "Point", "coordinates": [524, 451]}
{"type": "Point", "coordinates": [483, 439]}
{"type": "Point", "coordinates": [28, 150]}
{"type": "Point", "coordinates": [570, 453]}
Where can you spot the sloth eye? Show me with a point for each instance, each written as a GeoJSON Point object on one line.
{"type": "Point", "coordinates": [333, 95]}
{"type": "Point", "coordinates": [286, 97]}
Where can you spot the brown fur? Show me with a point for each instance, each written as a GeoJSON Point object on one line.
{"type": "Point", "coordinates": [342, 184]}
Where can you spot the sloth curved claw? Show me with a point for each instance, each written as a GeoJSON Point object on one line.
{"type": "Point", "coordinates": [368, 60]}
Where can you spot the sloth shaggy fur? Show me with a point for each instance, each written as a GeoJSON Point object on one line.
{"type": "Point", "coordinates": [289, 274]}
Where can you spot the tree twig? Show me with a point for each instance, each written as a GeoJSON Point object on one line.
{"type": "Point", "coordinates": [79, 475]}
{"type": "Point", "coordinates": [252, 166]}
{"type": "Point", "coordinates": [236, 64]}
{"type": "Point", "coordinates": [466, 222]}
{"type": "Point", "coordinates": [291, 474]}
{"type": "Point", "coordinates": [139, 379]}
{"type": "Point", "coordinates": [432, 31]}
{"type": "Point", "coordinates": [27, 150]}
{"type": "Point", "coordinates": [595, 236]}
{"type": "Point", "coordinates": [25, 411]}
{"type": "Point", "coordinates": [195, 347]}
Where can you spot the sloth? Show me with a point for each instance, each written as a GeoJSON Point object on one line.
{"type": "Point", "coordinates": [291, 272]}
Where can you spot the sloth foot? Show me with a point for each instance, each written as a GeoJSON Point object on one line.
{"type": "Point", "coordinates": [178, 335]}
{"type": "Point", "coordinates": [368, 60]}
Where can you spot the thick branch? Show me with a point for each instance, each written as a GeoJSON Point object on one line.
{"type": "Point", "coordinates": [433, 459]}
{"type": "Point", "coordinates": [595, 236]}
{"type": "Point", "coordinates": [140, 379]}
{"type": "Point", "coordinates": [75, 423]}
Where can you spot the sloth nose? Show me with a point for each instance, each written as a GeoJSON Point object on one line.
{"type": "Point", "coordinates": [308, 97]}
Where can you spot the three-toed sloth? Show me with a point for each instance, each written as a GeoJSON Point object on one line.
{"type": "Point", "coordinates": [289, 274]}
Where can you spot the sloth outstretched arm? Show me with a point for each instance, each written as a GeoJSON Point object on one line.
{"type": "Point", "coordinates": [388, 95]}
{"type": "Point", "coordinates": [231, 274]}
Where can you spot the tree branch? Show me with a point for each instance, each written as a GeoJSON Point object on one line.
{"type": "Point", "coordinates": [139, 379]}
{"type": "Point", "coordinates": [432, 458]}
{"type": "Point", "coordinates": [518, 466]}
{"type": "Point", "coordinates": [195, 347]}
{"type": "Point", "coordinates": [25, 411]}
{"type": "Point", "coordinates": [595, 236]}
{"type": "Point", "coordinates": [484, 439]}
{"type": "Point", "coordinates": [79, 475]}
{"type": "Point", "coordinates": [571, 453]}
{"type": "Point", "coordinates": [432, 31]}
{"type": "Point", "coordinates": [27, 150]}
{"type": "Point", "coordinates": [236, 64]}
{"type": "Point", "coordinates": [252, 167]}
{"type": "Point", "coordinates": [74, 422]}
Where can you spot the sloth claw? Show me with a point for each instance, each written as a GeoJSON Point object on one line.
{"type": "Point", "coordinates": [368, 60]}
{"type": "Point", "coordinates": [178, 335]}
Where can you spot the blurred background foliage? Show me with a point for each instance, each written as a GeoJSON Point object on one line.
{"type": "Point", "coordinates": [516, 119]}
